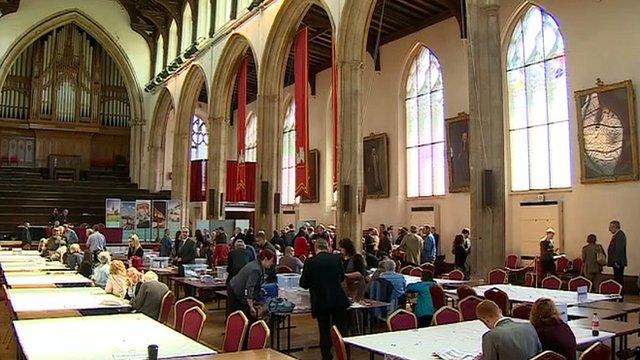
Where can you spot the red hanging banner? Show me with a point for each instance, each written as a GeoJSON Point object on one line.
{"type": "Point", "coordinates": [301, 73]}
{"type": "Point", "coordinates": [335, 109]}
{"type": "Point", "coordinates": [241, 187]}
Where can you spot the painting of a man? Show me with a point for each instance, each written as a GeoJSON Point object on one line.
{"type": "Point", "coordinates": [376, 169]}
{"type": "Point", "coordinates": [458, 144]}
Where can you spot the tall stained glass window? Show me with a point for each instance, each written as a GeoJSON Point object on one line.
{"type": "Point", "coordinates": [289, 156]}
{"type": "Point", "coordinates": [199, 139]}
{"type": "Point", "coordinates": [251, 139]}
{"type": "Point", "coordinates": [538, 106]}
{"type": "Point", "coordinates": [425, 126]}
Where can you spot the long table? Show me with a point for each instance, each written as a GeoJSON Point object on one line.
{"type": "Point", "coordinates": [621, 329]}
{"type": "Point", "coordinates": [103, 337]}
{"type": "Point", "coordinates": [33, 266]}
{"type": "Point", "coordinates": [262, 354]}
{"type": "Point", "coordinates": [74, 301]}
{"type": "Point", "coordinates": [44, 279]}
{"type": "Point", "coordinates": [463, 336]}
{"type": "Point", "coordinates": [526, 294]}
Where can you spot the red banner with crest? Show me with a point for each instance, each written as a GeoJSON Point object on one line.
{"type": "Point", "coordinates": [241, 187]}
{"type": "Point", "coordinates": [301, 73]}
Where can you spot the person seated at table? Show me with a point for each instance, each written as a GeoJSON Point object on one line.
{"type": "Point", "coordinates": [396, 279]}
{"type": "Point", "coordinates": [150, 295]}
{"type": "Point", "coordinates": [134, 278]}
{"type": "Point", "coordinates": [135, 248]}
{"type": "Point", "coordinates": [506, 339]}
{"type": "Point", "coordinates": [117, 281]}
{"type": "Point", "coordinates": [554, 334]}
{"type": "Point", "coordinates": [75, 257]}
{"type": "Point", "coordinates": [53, 243]}
{"type": "Point", "coordinates": [291, 261]}
{"type": "Point", "coordinates": [69, 235]}
{"type": "Point", "coordinates": [246, 286]}
{"type": "Point", "coordinates": [424, 305]}
{"type": "Point", "coordinates": [86, 266]}
{"type": "Point", "coordinates": [101, 272]}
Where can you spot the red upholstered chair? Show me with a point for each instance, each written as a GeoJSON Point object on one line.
{"type": "Point", "coordinates": [511, 262]}
{"type": "Point", "coordinates": [234, 332]}
{"type": "Point", "coordinates": [165, 307]}
{"type": "Point", "coordinates": [258, 335]}
{"type": "Point", "coordinates": [406, 270]}
{"type": "Point", "coordinates": [402, 320]}
{"type": "Point", "coordinates": [530, 279]}
{"type": "Point", "coordinates": [500, 298]}
{"type": "Point", "coordinates": [446, 315]}
{"type": "Point", "coordinates": [522, 311]}
{"type": "Point", "coordinates": [610, 287]}
{"type": "Point", "coordinates": [437, 296]}
{"type": "Point", "coordinates": [465, 291]}
{"type": "Point", "coordinates": [548, 355]}
{"type": "Point", "coordinates": [338, 344]}
{"type": "Point", "coordinates": [551, 282]}
{"type": "Point", "coordinates": [467, 307]}
{"type": "Point", "coordinates": [562, 265]}
{"type": "Point", "coordinates": [456, 275]}
{"type": "Point", "coordinates": [597, 351]}
{"type": "Point", "coordinates": [498, 276]}
{"type": "Point", "coordinates": [193, 322]}
{"type": "Point", "coordinates": [578, 281]}
{"type": "Point", "coordinates": [283, 269]}
{"type": "Point", "coordinates": [416, 271]}
{"type": "Point", "coordinates": [577, 266]}
{"type": "Point", "coordinates": [428, 267]}
{"type": "Point", "coordinates": [181, 307]}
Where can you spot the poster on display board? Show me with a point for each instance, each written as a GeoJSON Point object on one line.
{"type": "Point", "coordinates": [143, 219]}
{"type": "Point", "coordinates": [159, 214]}
{"type": "Point", "coordinates": [127, 219]}
{"type": "Point", "coordinates": [112, 213]}
{"type": "Point", "coordinates": [174, 214]}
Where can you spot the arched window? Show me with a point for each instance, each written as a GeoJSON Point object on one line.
{"type": "Point", "coordinates": [425, 126]}
{"type": "Point", "coordinates": [160, 54]}
{"type": "Point", "coordinates": [223, 13]}
{"type": "Point", "coordinates": [289, 156]}
{"type": "Point", "coordinates": [172, 48]}
{"type": "Point", "coordinates": [187, 28]}
{"type": "Point", "coordinates": [199, 139]}
{"type": "Point", "coordinates": [251, 139]}
{"type": "Point", "coordinates": [204, 17]}
{"type": "Point", "coordinates": [538, 107]}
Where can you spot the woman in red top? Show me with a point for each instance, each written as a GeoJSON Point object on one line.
{"type": "Point", "coordinates": [300, 244]}
{"type": "Point", "coordinates": [220, 251]}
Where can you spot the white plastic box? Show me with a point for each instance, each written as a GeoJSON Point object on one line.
{"type": "Point", "coordinates": [286, 281]}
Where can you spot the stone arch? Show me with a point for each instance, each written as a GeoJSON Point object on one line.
{"type": "Point", "coordinates": [190, 91]}
{"type": "Point", "coordinates": [220, 104]}
{"type": "Point", "coordinates": [271, 96]}
{"type": "Point", "coordinates": [158, 140]}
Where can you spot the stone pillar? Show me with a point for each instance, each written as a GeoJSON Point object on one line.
{"type": "Point", "coordinates": [156, 167]}
{"type": "Point", "coordinates": [217, 166]}
{"type": "Point", "coordinates": [135, 148]}
{"type": "Point", "coordinates": [350, 171]}
{"type": "Point", "coordinates": [266, 172]}
{"type": "Point", "coordinates": [180, 169]}
{"type": "Point", "coordinates": [487, 135]}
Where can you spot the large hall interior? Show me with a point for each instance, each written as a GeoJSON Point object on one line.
{"type": "Point", "coordinates": [319, 179]}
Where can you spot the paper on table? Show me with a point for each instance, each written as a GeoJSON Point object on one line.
{"type": "Point", "coordinates": [453, 354]}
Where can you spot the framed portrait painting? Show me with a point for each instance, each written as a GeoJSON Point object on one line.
{"type": "Point", "coordinates": [607, 133]}
{"type": "Point", "coordinates": [458, 153]}
{"type": "Point", "coordinates": [376, 166]}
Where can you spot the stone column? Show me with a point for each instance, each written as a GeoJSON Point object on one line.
{"type": "Point", "coordinates": [487, 135]}
{"type": "Point", "coordinates": [155, 170]}
{"type": "Point", "coordinates": [350, 171]}
{"type": "Point", "coordinates": [268, 116]}
{"type": "Point", "coordinates": [217, 166]}
{"type": "Point", "coordinates": [180, 169]}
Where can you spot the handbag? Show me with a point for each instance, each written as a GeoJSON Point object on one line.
{"type": "Point", "coordinates": [601, 257]}
{"type": "Point", "coordinates": [280, 306]}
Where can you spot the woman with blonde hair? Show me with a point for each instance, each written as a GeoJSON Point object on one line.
{"type": "Point", "coordinates": [135, 248]}
{"type": "Point", "coordinates": [117, 281]}
{"type": "Point", "coordinates": [553, 332]}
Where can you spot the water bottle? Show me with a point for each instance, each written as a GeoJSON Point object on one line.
{"type": "Point", "coordinates": [595, 325]}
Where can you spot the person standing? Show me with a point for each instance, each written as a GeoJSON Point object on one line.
{"type": "Point", "coordinates": [289, 236]}
{"type": "Point", "coordinates": [466, 236]}
{"type": "Point", "coordinates": [547, 252]}
{"type": "Point", "coordinates": [617, 252]}
{"type": "Point", "coordinates": [323, 276]}
{"type": "Point", "coordinates": [96, 242]}
{"type": "Point", "coordinates": [412, 246]}
{"type": "Point", "coordinates": [593, 258]}
{"type": "Point", "coordinates": [245, 287]}
{"type": "Point", "coordinates": [460, 254]}
{"type": "Point", "coordinates": [188, 251]}
{"type": "Point", "coordinates": [429, 246]}
{"type": "Point", "coordinates": [166, 244]}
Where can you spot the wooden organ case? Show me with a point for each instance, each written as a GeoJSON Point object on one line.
{"type": "Point", "coordinates": [64, 95]}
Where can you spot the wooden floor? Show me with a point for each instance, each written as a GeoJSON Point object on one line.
{"type": "Point", "coordinates": [304, 335]}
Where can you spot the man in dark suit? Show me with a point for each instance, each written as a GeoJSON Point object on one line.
{"type": "Point", "coordinates": [506, 339]}
{"type": "Point", "coordinates": [617, 252]}
{"type": "Point", "coordinates": [323, 275]}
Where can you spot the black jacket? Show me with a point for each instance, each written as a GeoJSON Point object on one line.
{"type": "Point", "coordinates": [188, 251]}
{"type": "Point", "coordinates": [323, 275]}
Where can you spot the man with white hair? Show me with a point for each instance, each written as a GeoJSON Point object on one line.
{"type": "Point", "coordinates": [150, 295]}
{"type": "Point", "coordinates": [101, 272]}
{"type": "Point", "coordinates": [75, 257]}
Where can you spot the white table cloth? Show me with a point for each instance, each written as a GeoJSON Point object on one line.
{"type": "Point", "coordinates": [43, 278]}
{"type": "Point", "coordinates": [422, 343]}
{"type": "Point", "coordinates": [529, 294]}
{"type": "Point", "coordinates": [79, 298]}
{"type": "Point", "coordinates": [33, 266]}
{"type": "Point", "coordinates": [443, 282]}
{"type": "Point", "coordinates": [103, 337]}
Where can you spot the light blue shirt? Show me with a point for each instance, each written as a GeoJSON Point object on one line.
{"type": "Point", "coordinates": [96, 241]}
{"type": "Point", "coordinates": [72, 237]}
{"type": "Point", "coordinates": [397, 280]}
{"type": "Point", "coordinates": [429, 248]}
{"type": "Point", "coordinates": [100, 275]}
